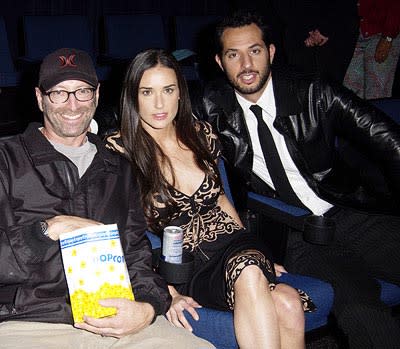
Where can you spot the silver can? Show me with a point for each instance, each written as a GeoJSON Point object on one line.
{"type": "Point", "coordinates": [172, 244]}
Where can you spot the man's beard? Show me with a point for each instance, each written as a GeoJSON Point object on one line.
{"type": "Point", "coordinates": [63, 129]}
{"type": "Point", "coordinates": [247, 90]}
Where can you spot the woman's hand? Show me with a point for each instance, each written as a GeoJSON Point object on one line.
{"type": "Point", "coordinates": [179, 304]}
{"type": "Point", "coordinates": [315, 38]}
{"type": "Point", "coordinates": [279, 269]}
{"type": "Point", "coordinates": [382, 50]}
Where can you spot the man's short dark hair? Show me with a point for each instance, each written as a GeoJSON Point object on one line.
{"type": "Point", "coordinates": [240, 19]}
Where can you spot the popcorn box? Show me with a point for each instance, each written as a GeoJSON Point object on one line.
{"type": "Point", "coordinates": [95, 269]}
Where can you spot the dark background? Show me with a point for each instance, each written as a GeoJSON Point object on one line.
{"type": "Point", "coordinates": [18, 106]}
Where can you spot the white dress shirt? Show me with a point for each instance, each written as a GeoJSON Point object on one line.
{"type": "Point", "coordinates": [296, 180]}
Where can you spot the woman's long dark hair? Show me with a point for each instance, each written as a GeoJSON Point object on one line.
{"type": "Point", "coordinates": [141, 149]}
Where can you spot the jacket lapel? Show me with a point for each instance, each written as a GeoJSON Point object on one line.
{"type": "Point", "coordinates": [289, 95]}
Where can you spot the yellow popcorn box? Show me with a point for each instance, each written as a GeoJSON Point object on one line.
{"type": "Point", "coordinates": [95, 269]}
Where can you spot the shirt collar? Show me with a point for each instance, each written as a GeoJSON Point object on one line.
{"type": "Point", "coordinates": [266, 100]}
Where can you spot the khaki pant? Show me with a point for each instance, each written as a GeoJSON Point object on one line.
{"type": "Point", "coordinates": [40, 335]}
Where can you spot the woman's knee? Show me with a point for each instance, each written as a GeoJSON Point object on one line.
{"type": "Point", "coordinates": [288, 305]}
{"type": "Point", "coordinates": [251, 278]}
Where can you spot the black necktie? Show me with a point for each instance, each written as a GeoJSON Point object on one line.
{"type": "Point", "coordinates": [273, 161]}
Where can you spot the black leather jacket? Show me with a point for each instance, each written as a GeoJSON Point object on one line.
{"type": "Point", "coordinates": [347, 150]}
{"type": "Point", "coordinates": [36, 183]}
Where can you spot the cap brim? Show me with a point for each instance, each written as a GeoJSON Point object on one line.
{"type": "Point", "coordinates": [60, 77]}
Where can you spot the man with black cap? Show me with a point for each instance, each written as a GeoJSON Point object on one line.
{"type": "Point", "coordinates": [57, 178]}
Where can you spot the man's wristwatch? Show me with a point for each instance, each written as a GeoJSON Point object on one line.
{"type": "Point", "coordinates": [388, 38]}
{"type": "Point", "coordinates": [44, 228]}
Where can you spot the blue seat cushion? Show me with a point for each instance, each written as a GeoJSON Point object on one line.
{"type": "Point", "coordinates": [59, 31]}
{"type": "Point", "coordinates": [320, 292]}
{"type": "Point", "coordinates": [120, 29]}
{"type": "Point", "coordinates": [390, 293]}
{"type": "Point", "coordinates": [155, 241]}
{"type": "Point", "coordinates": [9, 79]}
{"type": "Point", "coordinates": [217, 326]}
{"type": "Point", "coordinates": [390, 106]}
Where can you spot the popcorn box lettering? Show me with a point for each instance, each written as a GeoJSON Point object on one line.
{"type": "Point", "coordinates": [95, 269]}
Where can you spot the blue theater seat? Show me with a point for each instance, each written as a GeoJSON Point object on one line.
{"type": "Point", "coordinates": [8, 76]}
{"type": "Point", "coordinates": [9, 80]}
{"type": "Point", "coordinates": [192, 41]}
{"type": "Point", "coordinates": [126, 35]}
{"type": "Point", "coordinates": [59, 31]}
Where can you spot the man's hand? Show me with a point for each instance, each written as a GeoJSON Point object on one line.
{"type": "Point", "coordinates": [315, 38]}
{"type": "Point", "coordinates": [131, 317]}
{"type": "Point", "coordinates": [382, 50]}
{"type": "Point", "coordinates": [64, 224]}
{"type": "Point", "coordinates": [179, 304]}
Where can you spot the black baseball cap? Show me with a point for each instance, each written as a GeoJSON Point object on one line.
{"type": "Point", "coordinates": [67, 64]}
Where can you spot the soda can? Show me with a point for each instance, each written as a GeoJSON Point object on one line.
{"type": "Point", "coordinates": [172, 244]}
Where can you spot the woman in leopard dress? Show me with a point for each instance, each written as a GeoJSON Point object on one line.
{"type": "Point", "coordinates": [176, 157]}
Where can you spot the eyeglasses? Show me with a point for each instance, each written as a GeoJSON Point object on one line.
{"type": "Point", "coordinates": [61, 96]}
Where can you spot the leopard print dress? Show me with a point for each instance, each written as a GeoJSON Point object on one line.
{"type": "Point", "coordinates": [220, 247]}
